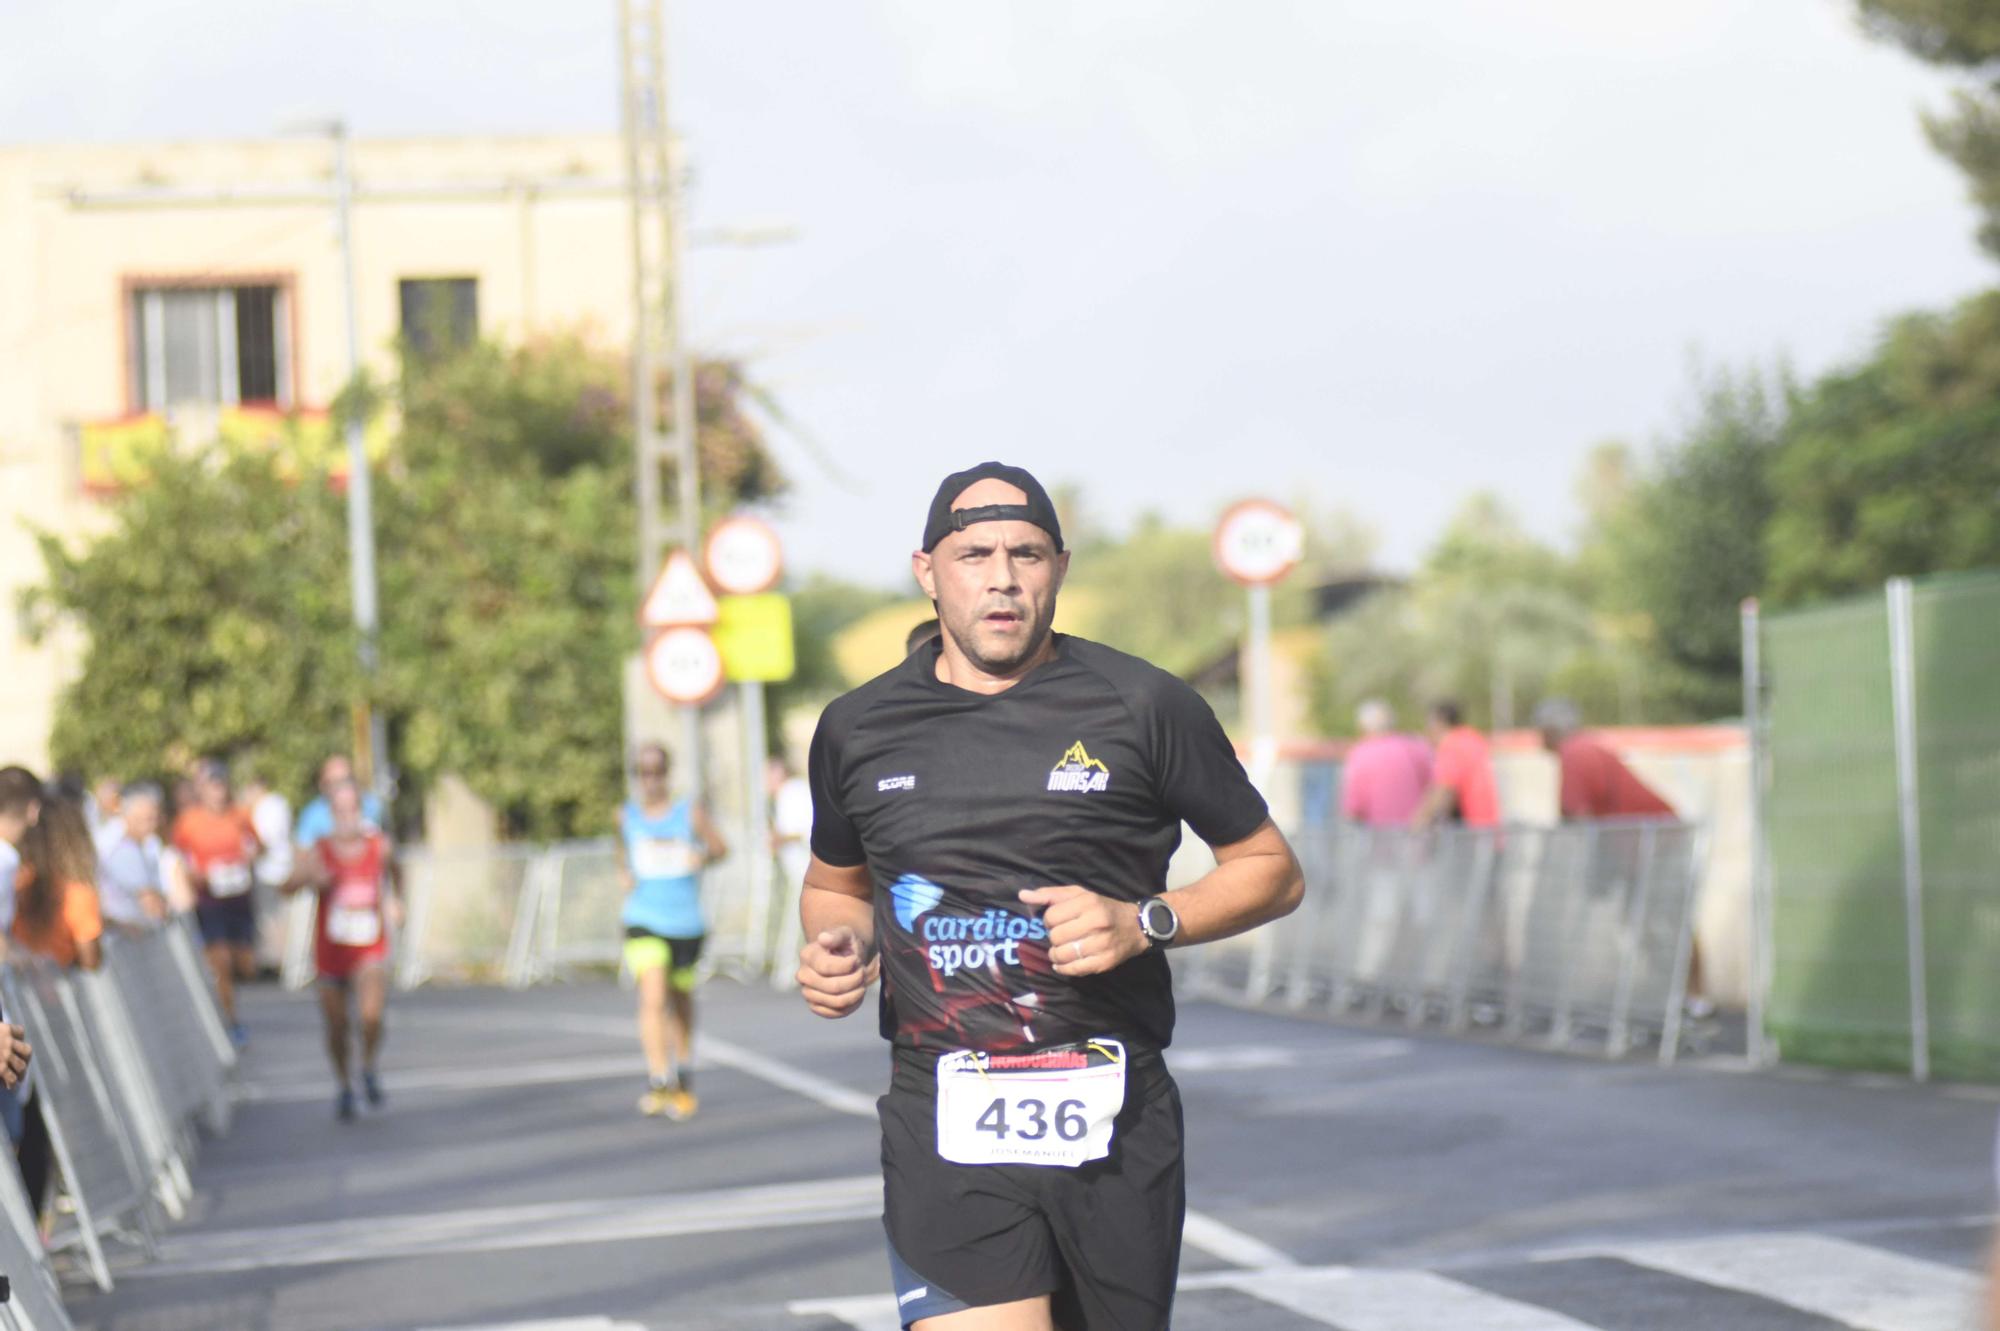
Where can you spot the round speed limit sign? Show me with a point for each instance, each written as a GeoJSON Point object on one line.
{"type": "Point", "coordinates": [685, 666]}
{"type": "Point", "coordinates": [743, 556]}
{"type": "Point", "coordinates": [1258, 542]}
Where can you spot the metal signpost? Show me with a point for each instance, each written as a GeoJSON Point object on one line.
{"type": "Point", "coordinates": [754, 634]}
{"type": "Point", "coordinates": [1257, 542]}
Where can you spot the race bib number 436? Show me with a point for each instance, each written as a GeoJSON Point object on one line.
{"type": "Point", "coordinates": [1054, 1107]}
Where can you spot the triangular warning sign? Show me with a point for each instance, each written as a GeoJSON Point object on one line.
{"type": "Point", "coordinates": [679, 596]}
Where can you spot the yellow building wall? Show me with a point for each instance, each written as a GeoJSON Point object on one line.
{"type": "Point", "coordinates": [538, 221]}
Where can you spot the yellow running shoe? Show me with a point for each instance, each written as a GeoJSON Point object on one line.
{"type": "Point", "coordinates": [657, 1102]}
{"type": "Point", "coordinates": [681, 1105]}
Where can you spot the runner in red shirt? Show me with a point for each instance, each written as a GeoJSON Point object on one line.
{"type": "Point", "coordinates": [219, 844]}
{"type": "Point", "coordinates": [1462, 786]}
{"type": "Point", "coordinates": [1595, 784]}
{"type": "Point", "coordinates": [360, 902]}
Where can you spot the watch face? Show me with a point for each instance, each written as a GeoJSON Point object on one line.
{"type": "Point", "coordinates": [1157, 919]}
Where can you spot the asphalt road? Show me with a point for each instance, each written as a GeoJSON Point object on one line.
{"type": "Point", "coordinates": [1340, 1176]}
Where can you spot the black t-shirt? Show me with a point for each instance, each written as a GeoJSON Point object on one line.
{"type": "Point", "coordinates": [1082, 773]}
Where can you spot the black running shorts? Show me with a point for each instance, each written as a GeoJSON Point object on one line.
{"type": "Point", "coordinates": [1103, 1238]}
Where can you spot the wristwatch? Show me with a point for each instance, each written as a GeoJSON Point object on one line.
{"type": "Point", "coordinates": [1158, 922]}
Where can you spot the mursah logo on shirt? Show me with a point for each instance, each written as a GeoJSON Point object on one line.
{"type": "Point", "coordinates": [1077, 771]}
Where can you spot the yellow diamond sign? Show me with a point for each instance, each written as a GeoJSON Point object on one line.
{"type": "Point", "coordinates": [754, 635]}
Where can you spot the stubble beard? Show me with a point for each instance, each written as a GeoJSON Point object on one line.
{"type": "Point", "coordinates": [1038, 637]}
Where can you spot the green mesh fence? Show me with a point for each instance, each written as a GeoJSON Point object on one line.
{"type": "Point", "coordinates": [1956, 623]}
{"type": "Point", "coordinates": [1840, 981]}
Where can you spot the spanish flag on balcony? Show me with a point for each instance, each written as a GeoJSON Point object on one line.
{"type": "Point", "coordinates": [115, 451]}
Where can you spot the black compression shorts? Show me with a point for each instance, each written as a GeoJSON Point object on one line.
{"type": "Point", "coordinates": [1103, 1238]}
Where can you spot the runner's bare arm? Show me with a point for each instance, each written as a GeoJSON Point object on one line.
{"type": "Point", "coordinates": [1993, 1289]}
{"type": "Point", "coordinates": [395, 909]}
{"type": "Point", "coordinates": [1439, 802]}
{"type": "Point", "coordinates": [838, 962]}
{"type": "Point", "coordinates": [1254, 881]}
{"type": "Point", "coordinates": [625, 880]}
{"type": "Point", "coordinates": [308, 872]}
{"type": "Point", "coordinates": [14, 1054]}
{"type": "Point", "coordinates": [713, 847]}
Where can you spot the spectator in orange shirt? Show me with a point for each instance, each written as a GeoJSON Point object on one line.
{"type": "Point", "coordinates": [1462, 786]}
{"type": "Point", "coordinates": [56, 912]}
{"type": "Point", "coordinates": [219, 844]}
{"type": "Point", "coordinates": [1595, 784]}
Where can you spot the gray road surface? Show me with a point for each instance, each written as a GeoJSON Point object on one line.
{"type": "Point", "coordinates": [1339, 1176]}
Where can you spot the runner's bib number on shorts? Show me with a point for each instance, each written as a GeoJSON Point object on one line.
{"type": "Point", "coordinates": [656, 858]}
{"type": "Point", "coordinates": [1050, 1108]}
{"type": "Point", "coordinates": [354, 926]}
{"type": "Point", "coordinates": [228, 880]}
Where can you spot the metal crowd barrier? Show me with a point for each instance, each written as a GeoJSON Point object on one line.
{"type": "Point", "coordinates": [130, 1063]}
{"type": "Point", "coordinates": [1578, 933]}
{"type": "Point", "coordinates": [35, 1302]}
{"type": "Point", "coordinates": [524, 915]}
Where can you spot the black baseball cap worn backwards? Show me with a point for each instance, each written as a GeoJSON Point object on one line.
{"type": "Point", "coordinates": [944, 520]}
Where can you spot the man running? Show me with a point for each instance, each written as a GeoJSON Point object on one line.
{"type": "Point", "coordinates": [991, 828]}
{"type": "Point", "coordinates": [667, 844]}
{"type": "Point", "coordinates": [353, 869]}
{"type": "Point", "coordinates": [218, 844]}
{"type": "Point", "coordinates": [316, 819]}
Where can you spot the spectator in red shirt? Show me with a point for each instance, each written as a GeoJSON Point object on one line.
{"type": "Point", "coordinates": [1595, 784]}
{"type": "Point", "coordinates": [1462, 786]}
{"type": "Point", "coordinates": [1386, 773]}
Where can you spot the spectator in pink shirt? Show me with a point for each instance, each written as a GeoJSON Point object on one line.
{"type": "Point", "coordinates": [1386, 773]}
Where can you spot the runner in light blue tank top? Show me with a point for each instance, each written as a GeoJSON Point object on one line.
{"type": "Point", "coordinates": [666, 844]}
{"type": "Point", "coordinates": [664, 860]}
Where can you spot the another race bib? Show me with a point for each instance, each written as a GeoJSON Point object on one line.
{"type": "Point", "coordinates": [1054, 1107]}
{"type": "Point", "coordinates": [354, 926]}
{"type": "Point", "coordinates": [655, 858]}
{"type": "Point", "coordinates": [228, 880]}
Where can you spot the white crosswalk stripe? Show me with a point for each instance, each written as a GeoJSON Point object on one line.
{"type": "Point", "coordinates": [1360, 1300]}
{"type": "Point", "coordinates": [559, 1324]}
{"type": "Point", "coordinates": [1864, 1287]}
{"type": "Point", "coordinates": [1346, 1297]}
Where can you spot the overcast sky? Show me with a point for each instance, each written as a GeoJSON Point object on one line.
{"type": "Point", "coordinates": [1366, 255]}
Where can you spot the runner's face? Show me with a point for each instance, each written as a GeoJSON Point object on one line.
{"type": "Point", "coordinates": [346, 805]}
{"type": "Point", "coordinates": [651, 771]}
{"type": "Point", "coordinates": [214, 794]}
{"type": "Point", "coordinates": [995, 583]}
{"type": "Point", "coordinates": [142, 818]}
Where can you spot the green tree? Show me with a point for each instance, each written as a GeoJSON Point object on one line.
{"type": "Point", "coordinates": [1493, 618]}
{"type": "Point", "coordinates": [1671, 553]}
{"type": "Point", "coordinates": [217, 615]}
{"type": "Point", "coordinates": [1892, 467]}
{"type": "Point", "coordinates": [218, 621]}
{"type": "Point", "coordinates": [1963, 36]}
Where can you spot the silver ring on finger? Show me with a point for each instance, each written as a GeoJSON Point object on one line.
{"type": "Point", "coordinates": [1078, 945]}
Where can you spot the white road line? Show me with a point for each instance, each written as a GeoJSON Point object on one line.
{"type": "Point", "coordinates": [1394, 1301]}
{"type": "Point", "coordinates": [842, 1099]}
{"type": "Point", "coordinates": [558, 1324]}
{"type": "Point", "coordinates": [1867, 1288]}
{"type": "Point", "coordinates": [489, 1078]}
{"type": "Point", "coordinates": [1205, 1232]}
{"type": "Point", "coordinates": [869, 1312]}
{"type": "Point", "coordinates": [498, 1228]}
{"type": "Point", "coordinates": [1355, 1300]}
{"type": "Point", "coordinates": [1201, 1230]}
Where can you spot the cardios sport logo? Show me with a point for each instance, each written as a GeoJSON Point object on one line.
{"type": "Point", "coordinates": [961, 942]}
{"type": "Point", "coordinates": [1078, 771]}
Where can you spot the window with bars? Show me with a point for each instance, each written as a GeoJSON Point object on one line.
{"type": "Point", "coordinates": [440, 314]}
{"type": "Point", "coordinates": [217, 346]}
